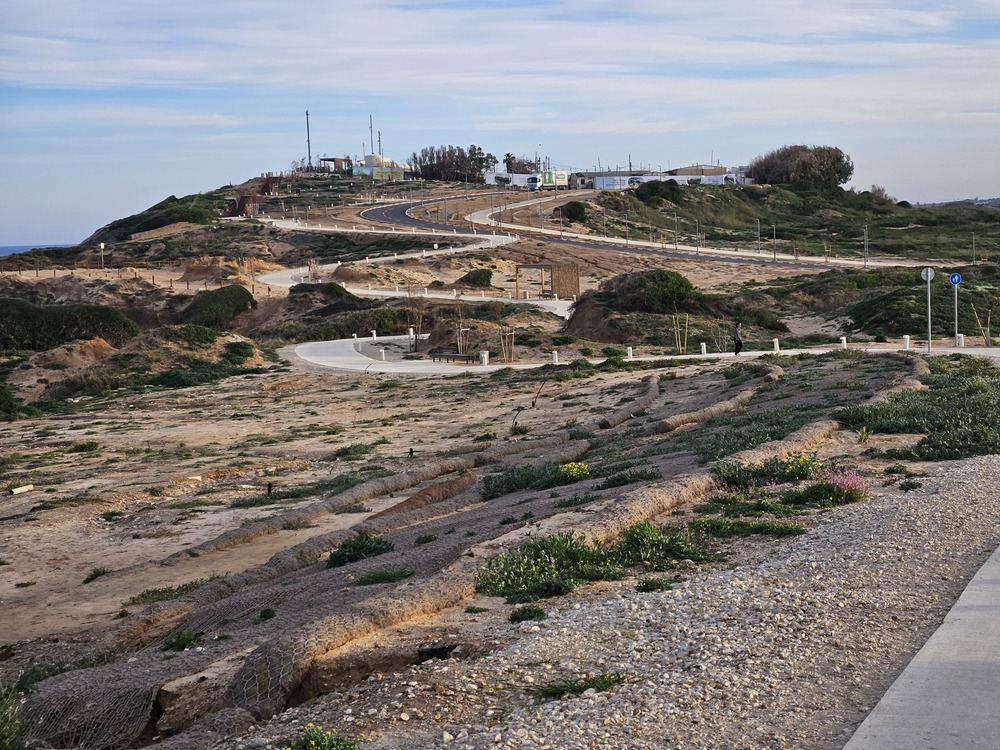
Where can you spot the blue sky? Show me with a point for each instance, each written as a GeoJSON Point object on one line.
{"type": "Point", "coordinates": [107, 108]}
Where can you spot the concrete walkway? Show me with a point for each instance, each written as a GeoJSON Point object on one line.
{"type": "Point", "coordinates": [948, 698]}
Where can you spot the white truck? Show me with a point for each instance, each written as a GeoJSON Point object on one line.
{"type": "Point", "coordinates": [550, 179]}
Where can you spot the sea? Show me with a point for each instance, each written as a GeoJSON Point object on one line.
{"type": "Point", "coordinates": [11, 249]}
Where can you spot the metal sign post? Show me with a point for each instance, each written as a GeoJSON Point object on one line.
{"type": "Point", "coordinates": [956, 279]}
{"type": "Point", "coordinates": [927, 274]}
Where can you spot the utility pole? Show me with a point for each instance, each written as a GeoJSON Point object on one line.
{"type": "Point", "coordinates": [308, 145]}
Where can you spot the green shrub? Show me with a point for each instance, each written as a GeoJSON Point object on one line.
{"type": "Point", "coordinates": [544, 567]}
{"type": "Point", "coordinates": [216, 308]}
{"type": "Point", "coordinates": [481, 278]}
{"type": "Point", "coordinates": [314, 738]}
{"type": "Point", "coordinates": [383, 575]}
{"type": "Point", "coordinates": [167, 593]}
{"type": "Point", "coordinates": [96, 573]}
{"type": "Point", "coordinates": [575, 211]}
{"type": "Point", "coordinates": [353, 452]}
{"type": "Point", "coordinates": [629, 477]}
{"type": "Point", "coordinates": [525, 477]}
{"type": "Point", "coordinates": [527, 612]}
{"type": "Point", "coordinates": [649, 585]}
{"type": "Point", "coordinates": [179, 641]}
{"type": "Point", "coordinates": [358, 548]}
{"type": "Point", "coordinates": [42, 327]}
{"type": "Point", "coordinates": [238, 352]}
{"type": "Point", "coordinates": [84, 446]}
{"type": "Point", "coordinates": [600, 683]}
{"type": "Point", "coordinates": [263, 616]}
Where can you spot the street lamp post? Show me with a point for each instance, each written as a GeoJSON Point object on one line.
{"type": "Point", "coordinates": [774, 242]}
{"type": "Point", "coordinates": [675, 232]}
{"type": "Point", "coordinates": [102, 255]}
{"type": "Point", "coordinates": [697, 237]}
{"type": "Point", "coordinates": [758, 236]}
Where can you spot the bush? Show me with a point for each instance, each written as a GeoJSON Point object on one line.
{"type": "Point", "coordinates": [481, 277]}
{"type": "Point", "coordinates": [383, 575]}
{"type": "Point", "coordinates": [179, 641]}
{"type": "Point", "coordinates": [24, 325]}
{"type": "Point", "coordinates": [358, 548]}
{"type": "Point", "coordinates": [575, 211]}
{"type": "Point", "coordinates": [527, 612]}
{"type": "Point", "coordinates": [655, 192]}
{"type": "Point", "coordinates": [96, 573]}
{"type": "Point", "coordinates": [315, 738]}
{"type": "Point", "coordinates": [238, 352]}
{"type": "Point", "coordinates": [544, 567]}
{"type": "Point", "coordinates": [218, 307]}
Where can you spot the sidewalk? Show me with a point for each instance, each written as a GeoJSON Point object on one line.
{"type": "Point", "coordinates": [948, 698]}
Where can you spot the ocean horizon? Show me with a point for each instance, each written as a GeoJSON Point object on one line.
{"type": "Point", "coordinates": [13, 249]}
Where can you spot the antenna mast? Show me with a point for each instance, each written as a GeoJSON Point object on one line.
{"type": "Point", "coordinates": [308, 144]}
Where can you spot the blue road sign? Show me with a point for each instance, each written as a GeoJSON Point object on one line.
{"type": "Point", "coordinates": [955, 278]}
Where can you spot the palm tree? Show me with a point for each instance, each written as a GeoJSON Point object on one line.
{"type": "Point", "coordinates": [508, 161]}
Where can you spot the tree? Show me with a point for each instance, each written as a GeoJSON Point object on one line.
{"type": "Point", "coordinates": [823, 166]}
{"type": "Point", "coordinates": [508, 161]}
{"type": "Point", "coordinates": [452, 163]}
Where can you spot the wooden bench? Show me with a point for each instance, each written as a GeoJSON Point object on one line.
{"type": "Point", "coordinates": [446, 355]}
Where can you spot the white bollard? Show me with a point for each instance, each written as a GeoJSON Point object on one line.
{"type": "Point", "coordinates": [555, 297]}
{"type": "Point", "coordinates": [960, 341]}
{"type": "Point", "coordinates": [455, 291]}
{"type": "Point", "coordinates": [424, 251]}
{"type": "Point", "coordinates": [482, 294]}
{"type": "Point", "coordinates": [381, 353]}
{"type": "Point", "coordinates": [843, 342]}
{"type": "Point", "coordinates": [397, 288]}
{"type": "Point", "coordinates": [374, 337]}
{"type": "Point", "coordinates": [425, 291]}
{"type": "Point", "coordinates": [628, 352]}
{"type": "Point", "coordinates": [484, 358]}
{"type": "Point", "coordinates": [906, 343]}
{"type": "Point", "coordinates": [354, 335]}
{"type": "Point", "coordinates": [777, 348]}
{"type": "Point", "coordinates": [369, 287]}
{"type": "Point", "coordinates": [509, 295]}
{"type": "Point", "coordinates": [367, 260]}
{"type": "Point", "coordinates": [555, 357]}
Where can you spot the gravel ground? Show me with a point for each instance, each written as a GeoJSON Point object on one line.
{"type": "Point", "coordinates": [788, 644]}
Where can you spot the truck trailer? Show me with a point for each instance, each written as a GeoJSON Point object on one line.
{"type": "Point", "coordinates": [550, 179]}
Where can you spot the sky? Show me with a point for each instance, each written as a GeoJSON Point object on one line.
{"type": "Point", "coordinates": [107, 108]}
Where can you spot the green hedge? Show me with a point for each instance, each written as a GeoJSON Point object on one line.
{"type": "Point", "coordinates": [218, 307]}
{"type": "Point", "coordinates": [24, 325]}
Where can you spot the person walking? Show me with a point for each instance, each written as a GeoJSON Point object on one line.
{"type": "Point", "coordinates": [738, 338]}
